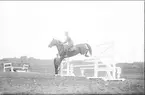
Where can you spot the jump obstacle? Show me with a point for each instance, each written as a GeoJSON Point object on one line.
{"type": "Point", "coordinates": [9, 66]}
{"type": "Point", "coordinates": [112, 72]}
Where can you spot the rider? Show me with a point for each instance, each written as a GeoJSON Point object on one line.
{"type": "Point", "coordinates": [69, 42]}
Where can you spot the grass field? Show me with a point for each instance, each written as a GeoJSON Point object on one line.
{"type": "Point", "coordinates": [34, 83]}
{"type": "Point", "coordinates": [41, 80]}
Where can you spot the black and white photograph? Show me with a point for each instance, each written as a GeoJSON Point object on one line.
{"type": "Point", "coordinates": [71, 47]}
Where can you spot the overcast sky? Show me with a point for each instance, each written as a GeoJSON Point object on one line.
{"type": "Point", "coordinates": [27, 27]}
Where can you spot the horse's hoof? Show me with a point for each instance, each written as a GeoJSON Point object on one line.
{"type": "Point", "coordinates": [86, 55]}
{"type": "Point", "coordinates": [55, 75]}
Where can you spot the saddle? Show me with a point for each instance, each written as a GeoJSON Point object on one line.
{"type": "Point", "coordinates": [72, 48]}
{"type": "Point", "coordinates": [68, 48]}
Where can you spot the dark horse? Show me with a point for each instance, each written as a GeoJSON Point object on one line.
{"type": "Point", "coordinates": [65, 53]}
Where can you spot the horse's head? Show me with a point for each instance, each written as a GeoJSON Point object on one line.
{"type": "Point", "coordinates": [54, 42]}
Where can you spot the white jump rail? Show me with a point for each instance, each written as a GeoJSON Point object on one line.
{"type": "Point", "coordinates": [116, 71]}
{"type": "Point", "coordinates": [8, 66]}
{"type": "Point", "coordinates": [23, 69]}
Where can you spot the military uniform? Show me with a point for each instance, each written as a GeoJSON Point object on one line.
{"type": "Point", "coordinates": [69, 43]}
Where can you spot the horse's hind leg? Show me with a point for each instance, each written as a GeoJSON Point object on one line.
{"type": "Point", "coordinates": [86, 54]}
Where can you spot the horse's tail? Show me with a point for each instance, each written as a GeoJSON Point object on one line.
{"type": "Point", "coordinates": [90, 49]}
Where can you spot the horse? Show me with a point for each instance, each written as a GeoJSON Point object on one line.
{"type": "Point", "coordinates": [63, 52]}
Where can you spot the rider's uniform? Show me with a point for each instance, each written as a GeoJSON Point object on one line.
{"type": "Point", "coordinates": [69, 42]}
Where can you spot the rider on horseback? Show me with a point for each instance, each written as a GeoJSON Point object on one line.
{"type": "Point", "coordinates": [69, 42]}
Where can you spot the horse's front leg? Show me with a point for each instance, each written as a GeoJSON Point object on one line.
{"type": "Point", "coordinates": [56, 69]}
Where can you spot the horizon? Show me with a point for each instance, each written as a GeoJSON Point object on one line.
{"type": "Point", "coordinates": [70, 60]}
{"type": "Point", "coordinates": [27, 31]}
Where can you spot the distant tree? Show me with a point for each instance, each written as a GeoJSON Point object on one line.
{"type": "Point", "coordinates": [23, 59]}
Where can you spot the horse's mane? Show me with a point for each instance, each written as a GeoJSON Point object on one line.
{"type": "Point", "coordinates": [58, 41]}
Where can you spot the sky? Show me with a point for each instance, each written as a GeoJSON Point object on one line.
{"type": "Point", "coordinates": [27, 27]}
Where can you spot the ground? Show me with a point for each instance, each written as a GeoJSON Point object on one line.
{"type": "Point", "coordinates": [42, 83]}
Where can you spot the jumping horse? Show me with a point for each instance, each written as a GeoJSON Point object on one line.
{"type": "Point", "coordinates": [63, 52]}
